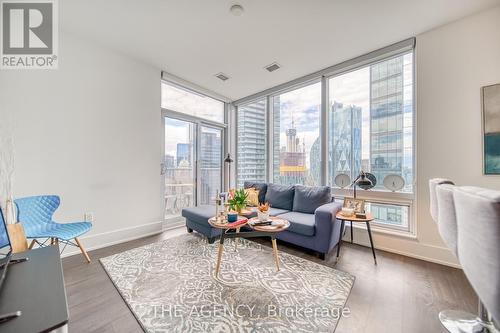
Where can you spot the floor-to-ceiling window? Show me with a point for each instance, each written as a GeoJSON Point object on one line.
{"type": "Point", "coordinates": [371, 129]}
{"type": "Point", "coordinates": [194, 127]}
{"type": "Point", "coordinates": [296, 136]}
{"type": "Point", "coordinates": [356, 116]}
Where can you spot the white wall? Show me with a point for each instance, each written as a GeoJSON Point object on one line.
{"type": "Point", "coordinates": [89, 132]}
{"type": "Point", "coordinates": [453, 62]}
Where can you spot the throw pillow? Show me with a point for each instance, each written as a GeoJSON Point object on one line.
{"type": "Point", "coordinates": [262, 187]}
{"type": "Point", "coordinates": [253, 196]}
{"type": "Point", "coordinates": [308, 198]}
{"type": "Point", "coordinates": [280, 196]}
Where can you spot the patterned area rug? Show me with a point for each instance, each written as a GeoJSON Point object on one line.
{"type": "Point", "coordinates": [170, 287]}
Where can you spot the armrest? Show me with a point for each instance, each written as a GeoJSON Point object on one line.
{"type": "Point", "coordinates": [326, 227]}
{"type": "Point", "coordinates": [326, 213]}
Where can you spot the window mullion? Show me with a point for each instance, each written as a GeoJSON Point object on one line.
{"type": "Point", "coordinates": [324, 121]}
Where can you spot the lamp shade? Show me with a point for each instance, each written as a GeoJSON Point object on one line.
{"type": "Point", "coordinates": [365, 181]}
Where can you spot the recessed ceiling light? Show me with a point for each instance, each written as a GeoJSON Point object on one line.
{"type": "Point", "coordinates": [273, 67]}
{"type": "Point", "coordinates": [222, 76]}
{"type": "Point", "coordinates": [237, 10]}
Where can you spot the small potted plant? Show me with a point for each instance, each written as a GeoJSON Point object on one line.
{"type": "Point", "coordinates": [263, 212]}
{"type": "Point", "coordinates": [238, 200]}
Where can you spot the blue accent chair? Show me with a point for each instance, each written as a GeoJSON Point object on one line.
{"type": "Point", "coordinates": [35, 213]}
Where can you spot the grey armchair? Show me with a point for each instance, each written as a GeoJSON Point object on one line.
{"type": "Point", "coordinates": [478, 218]}
{"type": "Point", "coordinates": [468, 220]}
{"type": "Point", "coordinates": [447, 219]}
{"type": "Point", "coordinates": [433, 183]}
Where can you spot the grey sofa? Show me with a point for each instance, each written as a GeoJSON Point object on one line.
{"type": "Point", "coordinates": [310, 210]}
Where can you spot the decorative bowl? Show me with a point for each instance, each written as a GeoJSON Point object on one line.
{"type": "Point", "coordinates": [263, 216]}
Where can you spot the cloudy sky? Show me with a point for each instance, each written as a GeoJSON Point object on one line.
{"type": "Point", "coordinates": [304, 106]}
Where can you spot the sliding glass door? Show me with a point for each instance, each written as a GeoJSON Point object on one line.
{"type": "Point", "coordinates": [192, 166]}
{"type": "Point", "coordinates": [179, 167]}
{"type": "Point", "coordinates": [194, 148]}
{"type": "Point", "coordinates": [210, 164]}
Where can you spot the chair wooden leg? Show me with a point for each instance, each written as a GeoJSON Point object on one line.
{"type": "Point", "coordinates": [33, 242]}
{"type": "Point", "coordinates": [85, 254]}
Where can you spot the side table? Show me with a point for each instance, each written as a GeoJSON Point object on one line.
{"type": "Point", "coordinates": [367, 220]}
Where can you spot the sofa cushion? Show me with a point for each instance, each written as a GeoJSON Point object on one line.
{"type": "Point", "coordinates": [199, 214]}
{"type": "Point", "coordinates": [262, 187]}
{"type": "Point", "coordinates": [308, 198]}
{"type": "Point", "coordinates": [280, 196]}
{"type": "Point", "coordinates": [300, 223]}
{"type": "Point", "coordinates": [277, 211]}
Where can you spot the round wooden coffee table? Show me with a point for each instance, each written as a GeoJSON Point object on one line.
{"type": "Point", "coordinates": [229, 231]}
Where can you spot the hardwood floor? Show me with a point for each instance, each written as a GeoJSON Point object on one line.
{"type": "Point", "coordinates": [400, 294]}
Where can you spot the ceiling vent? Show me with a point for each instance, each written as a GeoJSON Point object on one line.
{"type": "Point", "coordinates": [272, 67]}
{"type": "Point", "coordinates": [222, 76]}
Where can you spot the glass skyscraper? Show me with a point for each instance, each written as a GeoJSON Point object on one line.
{"type": "Point", "coordinates": [183, 153]}
{"type": "Point", "coordinates": [386, 100]}
{"type": "Point", "coordinates": [252, 142]}
{"type": "Point", "coordinates": [345, 139]}
{"type": "Point", "coordinates": [210, 164]}
{"type": "Point", "coordinates": [391, 124]}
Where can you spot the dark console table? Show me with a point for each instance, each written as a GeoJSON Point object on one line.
{"type": "Point", "coordinates": [36, 288]}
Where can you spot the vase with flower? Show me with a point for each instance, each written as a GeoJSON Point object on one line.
{"type": "Point", "coordinates": [238, 200]}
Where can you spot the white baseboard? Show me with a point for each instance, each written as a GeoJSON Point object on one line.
{"type": "Point", "coordinates": [108, 238]}
{"type": "Point", "coordinates": [406, 247]}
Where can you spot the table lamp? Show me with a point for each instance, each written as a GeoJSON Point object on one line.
{"type": "Point", "coordinates": [365, 180]}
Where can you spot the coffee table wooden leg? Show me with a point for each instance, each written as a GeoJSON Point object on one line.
{"type": "Point", "coordinates": [219, 258]}
{"type": "Point", "coordinates": [236, 239]}
{"type": "Point", "coordinates": [275, 250]}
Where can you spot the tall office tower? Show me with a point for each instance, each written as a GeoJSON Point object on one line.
{"type": "Point", "coordinates": [168, 161]}
{"type": "Point", "coordinates": [183, 153]}
{"type": "Point", "coordinates": [315, 162]}
{"type": "Point", "coordinates": [293, 168]}
{"type": "Point", "coordinates": [345, 140]}
{"type": "Point", "coordinates": [178, 179]}
{"type": "Point", "coordinates": [386, 117]}
{"type": "Point", "coordinates": [210, 166]}
{"type": "Point", "coordinates": [210, 150]}
{"type": "Point", "coordinates": [252, 143]}
{"type": "Point", "coordinates": [391, 123]}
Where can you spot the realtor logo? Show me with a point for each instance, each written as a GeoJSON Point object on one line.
{"type": "Point", "coordinates": [29, 34]}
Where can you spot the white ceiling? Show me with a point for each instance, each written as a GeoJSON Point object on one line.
{"type": "Point", "coordinates": [195, 39]}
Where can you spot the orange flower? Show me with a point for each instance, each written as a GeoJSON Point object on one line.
{"type": "Point", "coordinates": [264, 207]}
